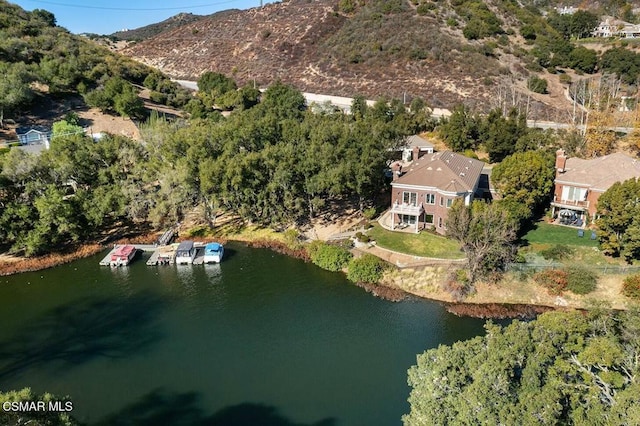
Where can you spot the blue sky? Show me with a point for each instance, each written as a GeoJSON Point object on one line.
{"type": "Point", "coordinates": [109, 16]}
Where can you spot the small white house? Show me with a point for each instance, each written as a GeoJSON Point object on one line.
{"type": "Point", "coordinates": [34, 135]}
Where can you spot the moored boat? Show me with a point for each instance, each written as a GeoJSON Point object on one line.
{"type": "Point", "coordinates": [185, 252]}
{"type": "Point", "coordinates": [213, 253]}
{"type": "Point", "coordinates": [123, 255]}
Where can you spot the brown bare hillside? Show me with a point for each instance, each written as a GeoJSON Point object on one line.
{"type": "Point", "coordinates": [311, 45]}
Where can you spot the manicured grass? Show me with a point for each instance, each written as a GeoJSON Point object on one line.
{"type": "Point", "coordinates": [544, 233]}
{"type": "Point", "coordinates": [424, 244]}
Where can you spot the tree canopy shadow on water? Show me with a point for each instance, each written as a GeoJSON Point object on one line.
{"type": "Point", "coordinates": [81, 331]}
{"type": "Point", "coordinates": [181, 409]}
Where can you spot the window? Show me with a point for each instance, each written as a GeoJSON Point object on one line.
{"type": "Point", "coordinates": [572, 193]}
{"type": "Point", "coordinates": [428, 218]}
{"type": "Point", "coordinates": [408, 219]}
{"type": "Point", "coordinates": [449, 202]}
{"type": "Point", "coordinates": [410, 198]}
{"type": "Point", "coordinates": [439, 222]}
{"type": "Point", "coordinates": [430, 198]}
{"type": "Point", "coordinates": [441, 201]}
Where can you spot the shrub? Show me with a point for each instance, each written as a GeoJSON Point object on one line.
{"type": "Point", "coordinates": [425, 8]}
{"type": "Point", "coordinates": [457, 284]}
{"type": "Point", "coordinates": [292, 237]}
{"type": "Point", "coordinates": [369, 213]}
{"type": "Point", "coordinates": [631, 286]}
{"type": "Point", "coordinates": [329, 257]}
{"type": "Point", "coordinates": [557, 252]}
{"type": "Point", "coordinates": [363, 238]}
{"type": "Point", "coordinates": [157, 97]}
{"type": "Point", "coordinates": [554, 280]}
{"type": "Point", "coordinates": [198, 231]}
{"type": "Point", "coordinates": [565, 78]}
{"type": "Point", "coordinates": [537, 84]}
{"type": "Point", "coordinates": [580, 280]}
{"type": "Point", "coordinates": [366, 269]}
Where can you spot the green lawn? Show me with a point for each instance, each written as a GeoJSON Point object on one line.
{"type": "Point", "coordinates": [543, 233]}
{"type": "Point", "coordinates": [424, 244]}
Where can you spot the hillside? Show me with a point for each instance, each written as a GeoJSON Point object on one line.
{"type": "Point", "coordinates": [152, 30]}
{"type": "Point", "coordinates": [48, 72]}
{"type": "Point", "coordinates": [331, 52]}
{"type": "Point", "coordinates": [446, 52]}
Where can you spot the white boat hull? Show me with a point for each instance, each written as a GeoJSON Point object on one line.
{"type": "Point", "coordinates": [212, 259]}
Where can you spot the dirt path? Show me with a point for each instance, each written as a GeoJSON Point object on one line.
{"type": "Point", "coordinates": [98, 122]}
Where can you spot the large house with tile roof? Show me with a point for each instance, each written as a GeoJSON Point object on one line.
{"type": "Point", "coordinates": [423, 190]}
{"type": "Point", "coordinates": [579, 182]}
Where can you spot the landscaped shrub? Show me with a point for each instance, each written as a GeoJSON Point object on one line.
{"type": "Point", "coordinates": [363, 238]}
{"type": "Point", "coordinates": [366, 269]}
{"type": "Point", "coordinates": [557, 252]}
{"type": "Point", "coordinates": [581, 280]}
{"type": "Point", "coordinates": [554, 280]}
{"type": "Point", "coordinates": [329, 257]}
{"type": "Point", "coordinates": [631, 286]}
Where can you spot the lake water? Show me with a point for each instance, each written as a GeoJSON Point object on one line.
{"type": "Point", "coordinates": [260, 339]}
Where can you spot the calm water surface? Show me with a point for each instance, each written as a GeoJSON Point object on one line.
{"type": "Point", "coordinates": [259, 339]}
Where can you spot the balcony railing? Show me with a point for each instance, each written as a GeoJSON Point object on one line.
{"type": "Point", "coordinates": [407, 209]}
{"type": "Point", "coordinates": [571, 203]}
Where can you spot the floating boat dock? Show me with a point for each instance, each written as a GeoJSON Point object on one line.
{"type": "Point", "coordinates": [160, 255]}
{"type": "Point", "coordinates": [139, 247]}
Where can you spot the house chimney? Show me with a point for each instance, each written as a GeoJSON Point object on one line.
{"type": "Point", "coordinates": [416, 153]}
{"type": "Point", "coordinates": [396, 170]}
{"type": "Point", "coordinates": [561, 161]}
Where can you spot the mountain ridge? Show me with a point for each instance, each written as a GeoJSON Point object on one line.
{"type": "Point", "coordinates": [325, 55]}
{"type": "Point", "coordinates": [446, 52]}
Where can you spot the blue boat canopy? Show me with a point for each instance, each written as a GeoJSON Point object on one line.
{"type": "Point", "coordinates": [213, 247]}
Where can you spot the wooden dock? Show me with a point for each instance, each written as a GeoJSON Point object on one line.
{"type": "Point", "coordinates": [199, 259]}
{"type": "Point", "coordinates": [163, 255]}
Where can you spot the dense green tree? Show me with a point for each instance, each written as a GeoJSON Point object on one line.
{"type": "Point", "coordinates": [14, 88]}
{"type": "Point", "coordinates": [460, 130]}
{"type": "Point", "coordinates": [583, 59]}
{"type": "Point", "coordinates": [216, 84]}
{"type": "Point", "coordinates": [619, 220]}
{"type": "Point", "coordinates": [64, 128]}
{"type": "Point", "coordinates": [117, 95]}
{"type": "Point", "coordinates": [526, 178]}
{"type": "Point", "coordinates": [500, 134]}
{"type": "Point", "coordinates": [622, 62]}
{"type": "Point", "coordinates": [282, 101]}
{"type": "Point", "coordinates": [582, 23]}
{"type": "Point", "coordinates": [359, 107]}
{"type": "Point", "coordinates": [563, 368]}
